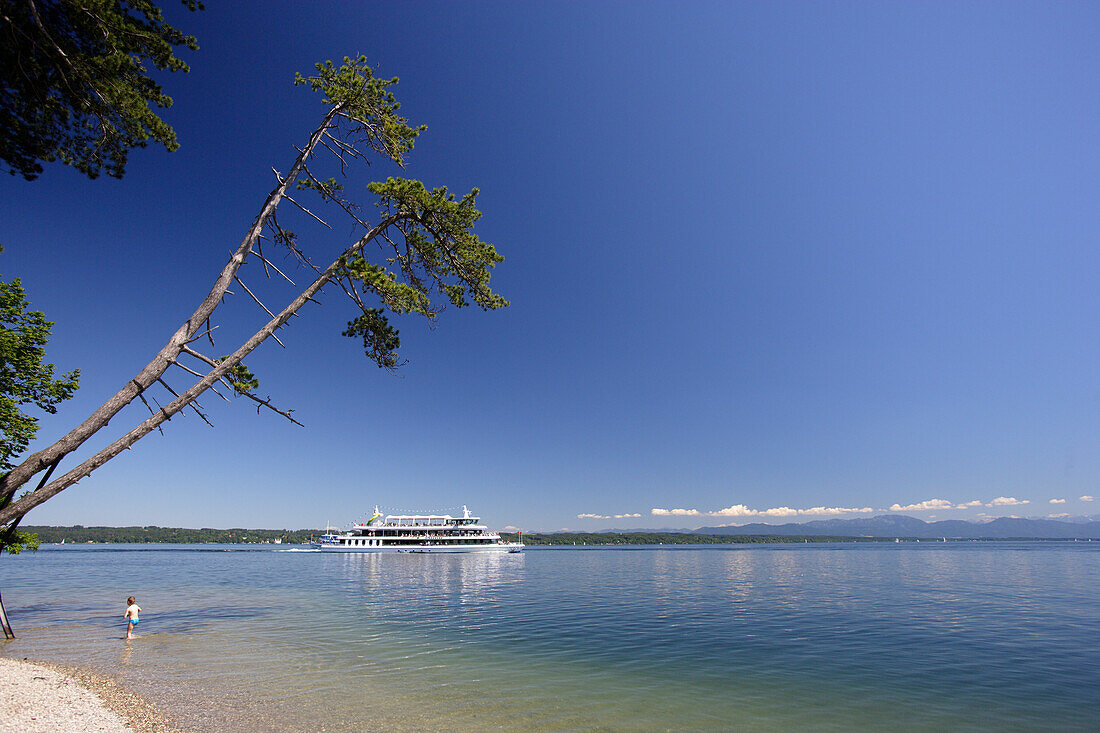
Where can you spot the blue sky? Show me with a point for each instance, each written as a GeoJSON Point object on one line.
{"type": "Point", "coordinates": [761, 256]}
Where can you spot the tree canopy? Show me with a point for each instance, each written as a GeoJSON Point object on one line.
{"type": "Point", "coordinates": [74, 82]}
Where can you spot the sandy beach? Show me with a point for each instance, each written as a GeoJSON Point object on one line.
{"type": "Point", "coordinates": [45, 698]}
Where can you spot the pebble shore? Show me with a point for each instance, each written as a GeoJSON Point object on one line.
{"type": "Point", "coordinates": [46, 698]}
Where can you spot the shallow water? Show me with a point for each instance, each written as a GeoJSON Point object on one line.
{"type": "Point", "coordinates": [928, 636]}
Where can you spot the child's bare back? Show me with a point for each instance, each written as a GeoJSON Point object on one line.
{"type": "Point", "coordinates": [132, 612]}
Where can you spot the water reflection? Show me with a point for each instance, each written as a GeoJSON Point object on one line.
{"type": "Point", "coordinates": [572, 639]}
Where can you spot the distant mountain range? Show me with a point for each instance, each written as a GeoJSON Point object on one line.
{"type": "Point", "coordinates": [899, 525]}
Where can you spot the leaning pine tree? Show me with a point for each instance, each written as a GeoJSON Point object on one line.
{"type": "Point", "coordinates": [415, 255]}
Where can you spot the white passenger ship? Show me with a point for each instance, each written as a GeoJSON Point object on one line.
{"type": "Point", "coordinates": [417, 533]}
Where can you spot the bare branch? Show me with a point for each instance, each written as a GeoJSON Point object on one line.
{"type": "Point", "coordinates": [268, 263]}
{"type": "Point", "coordinates": [350, 150]}
{"type": "Point", "coordinates": [193, 404]}
{"type": "Point", "coordinates": [239, 282]}
{"type": "Point", "coordinates": [200, 376]}
{"type": "Point", "coordinates": [142, 396]}
{"type": "Point", "coordinates": [342, 204]}
{"type": "Point", "coordinates": [199, 336]}
{"type": "Point", "coordinates": [45, 477]}
{"type": "Point", "coordinates": [267, 403]}
{"type": "Point", "coordinates": [288, 198]}
{"type": "Point", "coordinates": [259, 252]}
{"type": "Point", "coordinates": [343, 163]}
{"type": "Point", "coordinates": [200, 356]}
{"type": "Point", "coordinates": [260, 402]}
{"type": "Point", "coordinates": [351, 293]}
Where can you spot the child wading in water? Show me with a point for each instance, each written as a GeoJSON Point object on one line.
{"type": "Point", "coordinates": [131, 616]}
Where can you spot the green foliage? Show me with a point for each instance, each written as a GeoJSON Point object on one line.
{"type": "Point", "coordinates": [435, 252]}
{"type": "Point", "coordinates": [440, 246]}
{"type": "Point", "coordinates": [380, 340]}
{"type": "Point", "coordinates": [13, 541]}
{"type": "Point", "coordinates": [367, 102]}
{"type": "Point", "coordinates": [242, 380]}
{"type": "Point", "coordinates": [74, 83]}
{"type": "Point", "coordinates": [25, 379]}
{"type": "Point", "coordinates": [440, 254]}
{"type": "Point", "coordinates": [327, 189]}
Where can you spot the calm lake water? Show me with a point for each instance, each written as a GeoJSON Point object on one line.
{"type": "Point", "coordinates": [929, 636]}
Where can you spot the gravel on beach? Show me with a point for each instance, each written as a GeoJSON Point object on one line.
{"type": "Point", "coordinates": [45, 698]}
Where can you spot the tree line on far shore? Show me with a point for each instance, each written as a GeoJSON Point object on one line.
{"type": "Point", "coordinates": [79, 534]}
{"type": "Point", "coordinates": [667, 538]}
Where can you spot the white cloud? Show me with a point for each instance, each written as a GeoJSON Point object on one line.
{"type": "Point", "coordinates": [1008, 501]}
{"type": "Point", "coordinates": [1058, 516]}
{"type": "Point", "coordinates": [740, 510]}
{"type": "Point", "coordinates": [923, 506]}
{"type": "Point", "coordinates": [780, 511]}
{"type": "Point", "coordinates": [821, 510]}
{"type": "Point", "coordinates": [1057, 501]}
{"type": "Point", "coordinates": [1086, 497]}
{"type": "Point", "coordinates": [608, 516]}
{"type": "Point", "coordinates": [934, 504]}
{"type": "Point", "coordinates": [737, 510]}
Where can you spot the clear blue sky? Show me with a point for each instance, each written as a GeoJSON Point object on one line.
{"type": "Point", "coordinates": [759, 255]}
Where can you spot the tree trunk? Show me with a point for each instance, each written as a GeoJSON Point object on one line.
{"type": "Point", "coordinates": [8, 633]}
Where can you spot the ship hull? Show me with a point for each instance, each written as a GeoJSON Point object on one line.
{"type": "Point", "coordinates": [503, 547]}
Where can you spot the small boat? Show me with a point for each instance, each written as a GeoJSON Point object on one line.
{"type": "Point", "coordinates": [417, 533]}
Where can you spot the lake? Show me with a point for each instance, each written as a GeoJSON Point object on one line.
{"type": "Point", "coordinates": [928, 636]}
